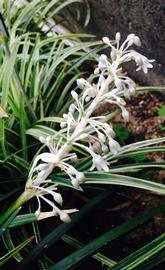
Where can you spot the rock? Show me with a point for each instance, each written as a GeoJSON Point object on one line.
{"type": "Point", "coordinates": [144, 18]}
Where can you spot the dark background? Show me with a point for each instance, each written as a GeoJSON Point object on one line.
{"type": "Point", "coordinates": [144, 18]}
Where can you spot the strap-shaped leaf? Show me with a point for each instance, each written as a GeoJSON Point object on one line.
{"type": "Point", "coordinates": [136, 167]}
{"type": "Point", "coordinates": [105, 238]}
{"type": "Point", "coordinates": [22, 220]}
{"type": "Point", "coordinates": [141, 255]}
{"type": "Point", "coordinates": [153, 261]}
{"type": "Point", "coordinates": [10, 254]}
{"type": "Point", "coordinates": [123, 180]}
{"type": "Point", "coordinates": [7, 218]}
{"type": "Point", "coordinates": [10, 245]}
{"type": "Point", "coordinates": [98, 256]}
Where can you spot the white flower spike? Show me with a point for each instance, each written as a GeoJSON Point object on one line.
{"type": "Point", "coordinates": [83, 130]}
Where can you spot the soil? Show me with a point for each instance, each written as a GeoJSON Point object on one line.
{"type": "Point", "coordinates": [144, 119]}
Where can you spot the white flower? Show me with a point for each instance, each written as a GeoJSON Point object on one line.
{"type": "Point", "coordinates": [43, 166]}
{"type": "Point", "coordinates": [133, 39]}
{"type": "Point", "coordinates": [90, 91]}
{"type": "Point", "coordinates": [103, 65]}
{"type": "Point", "coordinates": [84, 84]}
{"type": "Point", "coordinates": [76, 177]}
{"type": "Point", "coordinates": [114, 146]}
{"type": "Point", "coordinates": [121, 53]}
{"type": "Point", "coordinates": [99, 163]}
{"type": "Point", "coordinates": [125, 84]}
{"type": "Point", "coordinates": [141, 61]}
{"type": "Point", "coordinates": [102, 129]}
{"type": "Point", "coordinates": [95, 146]}
{"type": "Point", "coordinates": [63, 214]}
{"type": "Point", "coordinates": [52, 160]}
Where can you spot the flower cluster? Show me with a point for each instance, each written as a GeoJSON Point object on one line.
{"type": "Point", "coordinates": [84, 130]}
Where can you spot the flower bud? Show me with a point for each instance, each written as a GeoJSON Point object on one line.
{"type": "Point", "coordinates": [91, 92]}
{"type": "Point", "coordinates": [106, 40]}
{"type": "Point", "coordinates": [81, 83]}
{"type": "Point", "coordinates": [65, 116]}
{"type": "Point", "coordinates": [58, 198]}
{"type": "Point", "coordinates": [118, 37]}
{"type": "Point", "coordinates": [49, 140]}
{"type": "Point", "coordinates": [72, 108]}
{"type": "Point", "coordinates": [41, 167]}
{"type": "Point", "coordinates": [63, 124]}
{"type": "Point", "coordinates": [87, 98]}
{"type": "Point", "coordinates": [102, 137]}
{"type": "Point", "coordinates": [74, 94]}
{"type": "Point", "coordinates": [65, 217]}
{"type": "Point", "coordinates": [114, 146]}
{"type": "Point", "coordinates": [130, 37]}
{"type": "Point", "coordinates": [119, 83]}
{"type": "Point", "coordinates": [105, 149]}
{"type": "Point", "coordinates": [113, 54]}
{"type": "Point", "coordinates": [96, 71]}
{"type": "Point", "coordinates": [137, 41]}
{"type": "Point", "coordinates": [96, 147]}
{"type": "Point", "coordinates": [125, 115]}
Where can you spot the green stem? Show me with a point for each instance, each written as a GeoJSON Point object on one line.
{"type": "Point", "coordinates": [24, 197]}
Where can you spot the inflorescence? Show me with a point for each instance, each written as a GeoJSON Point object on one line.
{"type": "Point", "coordinates": [83, 130]}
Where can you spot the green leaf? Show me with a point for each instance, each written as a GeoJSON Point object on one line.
{"type": "Point", "coordinates": [9, 245]}
{"type": "Point", "coordinates": [141, 255]}
{"type": "Point", "coordinates": [136, 167]}
{"type": "Point", "coordinates": [120, 132]}
{"type": "Point", "coordinates": [122, 180]}
{"type": "Point", "coordinates": [153, 261]}
{"type": "Point", "coordinates": [26, 16]}
{"type": "Point", "coordinates": [105, 238]}
{"type": "Point", "coordinates": [140, 151]}
{"type": "Point", "coordinates": [22, 220]}
{"type": "Point", "coordinates": [40, 130]}
{"type": "Point", "coordinates": [52, 119]}
{"type": "Point", "coordinates": [6, 74]}
{"type": "Point", "coordinates": [139, 157]}
{"type": "Point", "coordinates": [151, 89]}
{"type": "Point", "coordinates": [10, 216]}
{"type": "Point", "coordinates": [162, 127]}
{"type": "Point", "coordinates": [98, 256]}
{"type": "Point", "coordinates": [13, 252]}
